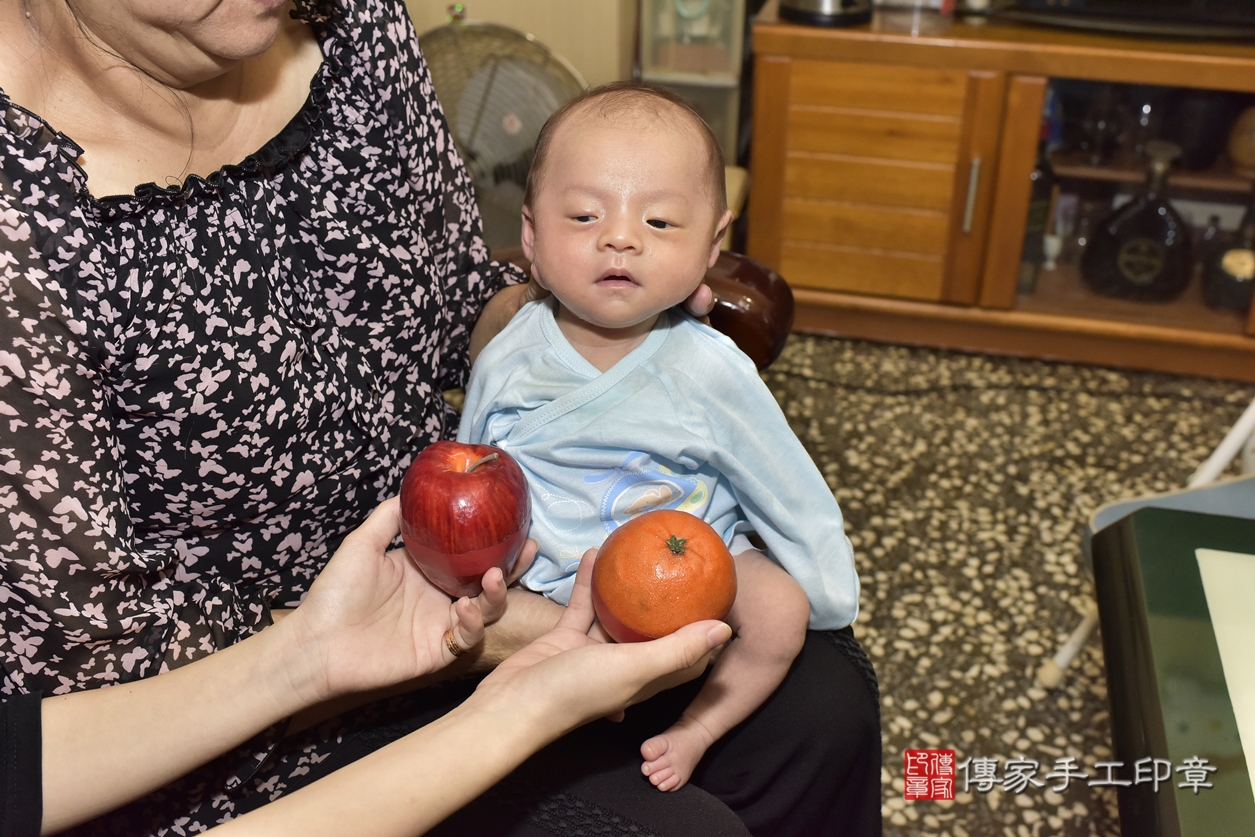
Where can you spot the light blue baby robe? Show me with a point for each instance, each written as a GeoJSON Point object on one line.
{"type": "Point", "coordinates": [683, 422]}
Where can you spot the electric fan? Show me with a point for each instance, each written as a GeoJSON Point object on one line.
{"type": "Point", "coordinates": [497, 87]}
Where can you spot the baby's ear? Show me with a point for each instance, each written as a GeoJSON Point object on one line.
{"type": "Point", "coordinates": [529, 247]}
{"type": "Point", "coordinates": [529, 235]}
{"type": "Point", "coordinates": [721, 229]}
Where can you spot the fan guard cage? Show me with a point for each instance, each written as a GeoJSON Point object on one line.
{"type": "Point", "coordinates": [497, 86]}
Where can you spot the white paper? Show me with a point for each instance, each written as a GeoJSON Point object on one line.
{"type": "Point", "coordinates": [1229, 584]}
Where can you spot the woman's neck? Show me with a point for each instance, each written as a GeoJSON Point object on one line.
{"type": "Point", "coordinates": [600, 346]}
{"type": "Point", "coordinates": [122, 61]}
{"type": "Point", "coordinates": [146, 105]}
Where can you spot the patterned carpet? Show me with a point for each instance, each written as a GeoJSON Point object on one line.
{"type": "Point", "coordinates": [966, 481]}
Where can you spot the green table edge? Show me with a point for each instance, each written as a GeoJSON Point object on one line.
{"type": "Point", "coordinates": [1145, 566]}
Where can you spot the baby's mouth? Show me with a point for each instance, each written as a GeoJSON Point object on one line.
{"type": "Point", "coordinates": [616, 278]}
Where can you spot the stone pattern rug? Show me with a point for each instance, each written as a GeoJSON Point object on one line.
{"type": "Point", "coordinates": [966, 481]}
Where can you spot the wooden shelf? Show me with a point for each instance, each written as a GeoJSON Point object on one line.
{"type": "Point", "coordinates": [1062, 292]}
{"type": "Point", "coordinates": [1124, 169]}
{"type": "Point", "coordinates": [1026, 333]}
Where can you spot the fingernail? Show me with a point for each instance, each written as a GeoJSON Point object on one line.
{"type": "Point", "coordinates": [718, 635]}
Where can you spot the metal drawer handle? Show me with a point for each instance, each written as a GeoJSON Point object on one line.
{"type": "Point", "coordinates": [973, 180]}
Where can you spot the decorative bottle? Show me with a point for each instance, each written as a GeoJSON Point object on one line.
{"type": "Point", "coordinates": [1031, 255]}
{"type": "Point", "coordinates": [1229, 271]}
{"type": "Point", "coordinates": [1142, 250]}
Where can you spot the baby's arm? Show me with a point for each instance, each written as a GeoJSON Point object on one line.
{"type": "Point", "coordinates": [769, 619]}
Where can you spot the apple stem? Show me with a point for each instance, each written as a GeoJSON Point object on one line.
{"type": "Point", "coordinates": [676, 545]}
{"type": "Point", "coordinates": [489, 458]}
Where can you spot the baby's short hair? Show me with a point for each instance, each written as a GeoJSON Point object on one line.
{"type": "Point", "coordinates": [627, 97]}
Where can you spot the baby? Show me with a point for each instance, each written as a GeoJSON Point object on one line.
{"type": "Point", "coordinates": [615, 402]}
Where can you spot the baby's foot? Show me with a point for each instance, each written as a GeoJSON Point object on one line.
{"type": "Point", "coordinates": [670, 758]}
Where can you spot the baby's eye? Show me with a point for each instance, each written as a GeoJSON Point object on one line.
{"type": "Point", "coordinates": [659, 224]}
{"type": "Point", "coordinates": [584, 219]}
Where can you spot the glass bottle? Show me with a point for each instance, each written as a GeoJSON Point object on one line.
{"type": "Point", "coordinates": [1031, 255]}
{"type": "Point", "coordinates": [1142, 250]}
{"type": "Point", "coordinates": [1208, 237]}
{"type": "Point", "coordinates": [1206, 241]}
{"type": "Point", "coordinates": [1229, 269]}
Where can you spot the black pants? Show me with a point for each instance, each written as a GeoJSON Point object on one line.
{"type": "Point", "coordinates": [806, 764]}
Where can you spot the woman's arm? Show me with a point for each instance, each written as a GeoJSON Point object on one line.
{"type": "Point", "coordinates": [557, 683]}
{"type": "Point", "coordinates": [104, 747]}
{"type": "Point", "coordinates": [369, 620]}
{"type": "Point", "coordinates": [499, 310]}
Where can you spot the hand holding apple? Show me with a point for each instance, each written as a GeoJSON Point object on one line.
{"type": "Point", "coordinates": [464, 510]}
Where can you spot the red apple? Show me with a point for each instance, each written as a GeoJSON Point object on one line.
{"type": "Point", "coordinates": [464, 510]}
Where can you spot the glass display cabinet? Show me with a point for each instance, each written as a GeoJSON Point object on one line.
{"type": "Point", "coordinates": [695, 47]}
{"type": "Point", "coordinates": [1095, 163]}
{"type": "Point", "coordinates": [943, 190]}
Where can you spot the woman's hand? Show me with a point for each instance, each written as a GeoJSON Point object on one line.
{"type": "Point", "coordinates": [555, 684]}
{"type": "Point", "coordinates": [372, 619]}
{"type": "Point", "coordinates": [701, 302]}
{"type": "Point", "coordinates": [574, 677]}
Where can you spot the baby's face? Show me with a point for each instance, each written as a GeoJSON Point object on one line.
{"type": "Point", "coordinates": [623, 225]}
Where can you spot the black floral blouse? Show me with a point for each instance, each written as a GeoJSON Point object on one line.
{"type": "Point", "coordinates": [203, 388]}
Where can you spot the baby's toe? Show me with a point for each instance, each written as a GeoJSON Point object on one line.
{"type": "Point", "coordinates": [662, 776]}
{"type": "Point", "coordinates": [655, 748]}
{"type": "Point", "coordinates": [673, 782]}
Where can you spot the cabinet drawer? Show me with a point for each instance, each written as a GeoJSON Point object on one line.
{"type": "Point", "coordinates": [861, 133]}
{"type": "Point", "coordinates": [879, 87]}
{"type": "Point", "coordinates": [857, 270]}
{"type": "Point", "coordinates": [862, 225]}
{"type": "Point", "coordinates": [861, 180]}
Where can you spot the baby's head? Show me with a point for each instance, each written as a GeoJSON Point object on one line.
{"type": "Point", "coordinates": [631, 102]}
{"type": "Point", "coordinates": [625, 204]}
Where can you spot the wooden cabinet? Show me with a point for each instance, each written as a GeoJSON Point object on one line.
{"type": "Point", "coordinates": [881, 175]}
{"type": "Point", "coordinates": [891, 180]}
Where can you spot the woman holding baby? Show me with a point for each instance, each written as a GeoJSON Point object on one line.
{"type": "Point", "coordinates": [240, 262]}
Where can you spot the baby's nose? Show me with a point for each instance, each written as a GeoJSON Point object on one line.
{"type": "Point", "coordinates": [620, 234]}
